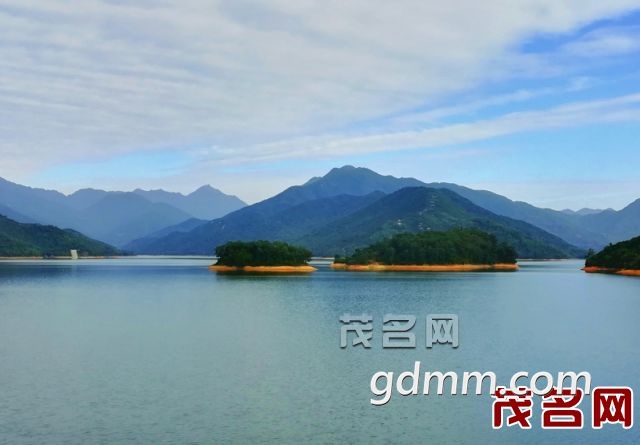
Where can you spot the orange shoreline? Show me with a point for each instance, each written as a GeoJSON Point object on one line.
{"type": "Point", "coordinates": [263, 269]}
{"type": "Point", "coordinates": [425, 267]}
{"type": "Point", "coordinates": [625, 272]}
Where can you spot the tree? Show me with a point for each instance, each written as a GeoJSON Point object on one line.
{"type": "Point", "coordinates": [261, 253]}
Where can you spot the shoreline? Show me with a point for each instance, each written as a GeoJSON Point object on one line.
{"type": "Point", "coordinates": [613, 271]}
{"type": "Point", "coordinates": [263, 269]}
{"type": "Point", "coordinates": [501, 267]}
{"type": "Point", "coordinates": [55, 258]}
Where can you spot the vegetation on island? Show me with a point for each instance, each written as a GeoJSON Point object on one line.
{"type": "Point", "coordinates": [29, 240]}
{"type": "Point", "coordinates": [457, 246]}
{"type": "Point", "coordinates": [622, 255]}
{"type": "Point", "coordinates": [261, 253]}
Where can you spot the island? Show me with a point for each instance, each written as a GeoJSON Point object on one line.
{"type": "Point", "coordinates": [622, 258]}
{"type": "Point", "coordinates": [262, 257]}
{"type": "Point", "coordinates": [457, 250]}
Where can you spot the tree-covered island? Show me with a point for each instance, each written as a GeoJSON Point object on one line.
{"type": "Point", "coordinates": [453, 250]}
{"type": "Point", "coordinates": [261, 256]}
{"type": "Point", "coordinates": [622, 258]}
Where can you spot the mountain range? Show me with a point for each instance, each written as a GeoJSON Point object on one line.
{"type": "Point", "coordinates": [416, 209]}
{"type": "Point", "coordinates": [113, 217]}
{"type": "Point", "coordinates": [347, 208]}
{"type": "Point", "coordinates": [350, 207]}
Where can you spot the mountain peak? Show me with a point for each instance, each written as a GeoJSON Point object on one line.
{"type": "Point", "coordinates": [205, 189]}
{"type": "Point", "coordinates": [350, 170]}
{"type": "Point", "coordinates": [633, 207]}
{"type": "Point", "coordinates": [358, 181]}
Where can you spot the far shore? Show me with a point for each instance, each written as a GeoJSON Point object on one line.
{"type": "Point", "coordinates": [625, 272]}
{"type": "Point", "coordinates": [13, 258]}
{"type": "Point", "coordinates": [502, 267]}
{"type": "Point", "coordinates": [263, 269]}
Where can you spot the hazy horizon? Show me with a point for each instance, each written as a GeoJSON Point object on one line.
{"type": "Point", "coordinates": [70, 191]}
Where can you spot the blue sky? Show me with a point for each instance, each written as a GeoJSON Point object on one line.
{"type": "Point", "coordinates": [535, 100]}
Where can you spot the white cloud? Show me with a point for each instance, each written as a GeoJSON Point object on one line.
{"type": "Point", "coordinates": [90, 80]}
{"type": "Point", "coordinates": [619, 109]}
{"type": "Point", "coordinates": [574, 194]}
{"type": "Point", "coordinates": [606, 42]}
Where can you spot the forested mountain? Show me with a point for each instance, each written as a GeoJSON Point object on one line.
{"type": "Point", "coordinates": [415, 209]}
{"type": "Point", "coordinates": [18, 239]}
{"type": "Point", "coordinates": [160, 222]}
{"type": "Point", "coordinates": [269, 220]}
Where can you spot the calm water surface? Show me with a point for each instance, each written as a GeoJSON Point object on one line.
{"type": "Point", "coordinates": [163, 351]}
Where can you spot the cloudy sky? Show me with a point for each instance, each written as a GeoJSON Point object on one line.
{"type": "Point", "coordinates": [536, 100]}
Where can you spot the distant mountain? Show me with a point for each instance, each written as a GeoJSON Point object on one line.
{"type": "Point", "coordinates": [309, 214]}
{"type": "Point", "coordinates": [582, 212]}
{"type": "Point", "coordinates": [16, 216]}
{"type": "Point", "coordinates": [39, 205]}
{"type": "Point", "coordinates": [555, 222]}
{"type": "Point", "coordinates": [415, 209]}
{"type": "Point", "coordinates": [113, 217]}
{"type": "Point", "coordinates": [347, 180]}
{"type": "Point", "coordinates": [138, 244]}
{"type": "Point", "coordinates": [118, 218]}
{"type": "Point", "coordinates": [145, 225]}
{"type": "Point", "coordinates": [353, 181]}
{"type": "Point", "coordinates": [586, 228]}
{"type": "Point", "coordinates": [320, 200]}
{"type": "Point", "coordinates": [204, 203]}
{"type": "Point", "coordinates": [267, 220]}
{"type": "Point", "coordinates": [618, 225]}
{"type": "Point", "coordinates": [85, 198]}
{"type": "Point", "coordinates": [17, 239]}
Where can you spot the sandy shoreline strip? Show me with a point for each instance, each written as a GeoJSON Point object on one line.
{"type": "Point", "coordinates": [625, 272]}
{"type": "Point", "coordinates": [424, 267]}
{"type": "Point", "coordinates": [264, 269]}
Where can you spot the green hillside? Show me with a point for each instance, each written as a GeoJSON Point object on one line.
{"type": "Point", "coordinates": [268, 220]}
{"type": "Point", "coordinates": [353, 207]}
{"type": "Point", "coordinates": [458, 246]}
{"type": "Point", "coordinates": [622, 255]}
{"type": "Point", "coordinates": [17, 239]}
{"type": "Point", "coordinates": [417, 209]}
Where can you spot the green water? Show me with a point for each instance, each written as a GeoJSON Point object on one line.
{"type": "Point", "coordinates": [163, 351]}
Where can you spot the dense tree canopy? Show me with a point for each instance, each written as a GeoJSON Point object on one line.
{"type": "Point", "coordinates": [261, 253]}
{"type": "Point", "coordinates": [458, 246]}
{"type": "Point", "coordinates": [17, 239]}
{"type": "Point", "coordinates": [622, 255]}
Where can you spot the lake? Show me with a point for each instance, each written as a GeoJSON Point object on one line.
{"type": "Point", "coordinates": [164, 351]}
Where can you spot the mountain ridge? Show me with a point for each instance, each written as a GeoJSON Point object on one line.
{"type": "Point", "coordinates": [415, 209]}
{"type": "Point", "coordinates": [87, 210]}
{"type": "Point", "coordinates": [270, 219]}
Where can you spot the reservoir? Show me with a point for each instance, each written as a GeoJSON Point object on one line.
{"type": "Point", "coordinates": [164, 351]}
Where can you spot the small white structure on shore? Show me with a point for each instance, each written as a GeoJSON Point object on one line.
{"type": "Point", "coordinates": [74, 254]}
